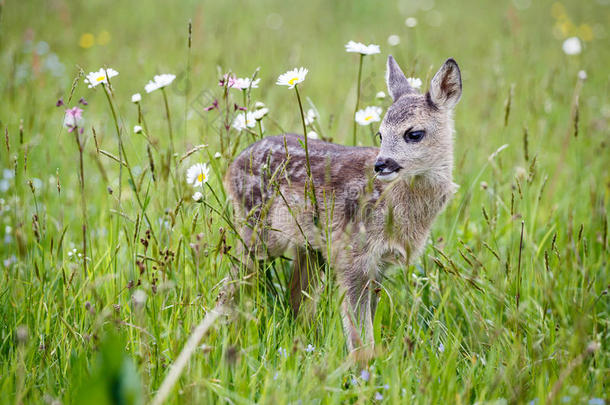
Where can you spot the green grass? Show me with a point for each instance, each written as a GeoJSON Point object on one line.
{"type": "Point", "coordinates": [450, 328]}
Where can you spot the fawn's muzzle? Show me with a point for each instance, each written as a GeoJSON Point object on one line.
{"type": "Point", "coordinates": [386, 166]}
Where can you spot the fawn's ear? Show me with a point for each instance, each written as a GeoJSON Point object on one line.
{"type": "Point", "coordinates": [396, 80]}
{"type": "Point", "coordinates": [446, 85]}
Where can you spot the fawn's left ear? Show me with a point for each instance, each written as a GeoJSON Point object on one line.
{"type": "Point", "coordinates": [446, 85]}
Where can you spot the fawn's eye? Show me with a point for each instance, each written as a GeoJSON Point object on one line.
{"type": "Point", "coordinates": [414, 136]}
{"type": "Point", "coordinates": [380, 137]}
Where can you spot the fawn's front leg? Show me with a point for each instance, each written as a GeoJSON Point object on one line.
{"type": "Point", "coordinates": [358, 313]}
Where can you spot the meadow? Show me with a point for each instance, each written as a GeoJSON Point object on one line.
{"type": "Point", "coordinates": [507, 304]}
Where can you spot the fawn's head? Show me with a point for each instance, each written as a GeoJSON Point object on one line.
{"type": "Point", "coordinates": [416, 132]}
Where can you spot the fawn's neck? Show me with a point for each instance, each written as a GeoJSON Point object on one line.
{"type": "Point", "coordinates": [415, 204]}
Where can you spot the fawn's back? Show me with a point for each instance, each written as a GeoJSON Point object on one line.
{"type": "Point", "coordinates": [268, 183]}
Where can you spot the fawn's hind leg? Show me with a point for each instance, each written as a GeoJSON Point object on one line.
{"type": "Point", "coordinates": [305, 276]}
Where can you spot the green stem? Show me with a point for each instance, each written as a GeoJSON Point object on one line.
{"type": "Point", "coordinates": [172, 158]}
{"type": "Point", "coordinates": [308, 166]}
{"type": "Point", "coordinates": [169, 124]}
{"type": "Point", "coordinates": [227, 127]}
{"type": "Point", "coordinates": [83, 200]}
{"type": "Point", "coordinates": [260, 127]}
{"type": "Point", "coordinates": [123, 157]}
{"type": "Point", "coordinates": [118, 132]}
{"type": "Point", "coordinates": [357, 99]}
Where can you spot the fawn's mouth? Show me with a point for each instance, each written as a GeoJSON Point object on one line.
{"type": "Point", "coordinates": [388, 174]}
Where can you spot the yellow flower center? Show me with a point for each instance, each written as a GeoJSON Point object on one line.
{"type": "Point", "coordinates": [293, 80]}
{"type": "Point", "coordinates": [201, 177]}
{"type": "Point", "coordinates": [100, 78]}
{"type": "Point", "coordinates": [370, 117]}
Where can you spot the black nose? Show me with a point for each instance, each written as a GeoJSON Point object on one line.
{"type": "Point", "coordinates": [380, 164]}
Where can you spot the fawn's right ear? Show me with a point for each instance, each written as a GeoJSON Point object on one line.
{"type": "Point", "coordinates": [396, 80]}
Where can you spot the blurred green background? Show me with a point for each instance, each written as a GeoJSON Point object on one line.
{"type": "Point", "coordinates": [517, 79]}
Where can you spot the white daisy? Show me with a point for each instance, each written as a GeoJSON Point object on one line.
{"type": "Point", "coordinates": [136, 98]}
{"type": "Point", "coordinates": [414, 82]}
{"type": "Point", "coordinates": [380, 95]}
{"type": "Point", "coordinates": [137, 129]}
{"type": "Point", "coordinates": [312, 135]}
{"type": "Point", "coordinates": [244, 83]}
{"type": "Point", "coordinates": [393, 40]}
{"type": "Point", "coordinates": [101, 76]}
{"type": "Point", "coordinates": [217, 155]}
{"type": "Point", "coordinates": [243, 121]}
{"type": "Point", "coordinates": [260, 113]}
{"type": "Point", "coordinates": [358, 47]}
{"type": "Point", "coordinates": [259, 104]}
{"type": "Point", "coordinates": [411, 22]}
{"type": "Point", "coordinates": [572, 46]}
{"type": "Point", "coordinates": [159, 81]}
{"type": "Point", "coordinates": [310, 116]}
{"type": "Point", "coordinates": [197, 174]}
{"type": "Point", "coordinates": [198, 196]}
{"type": "Point", "coordinates": [368, 115]}
{"type": "Point", "coordinates": [292, 77]}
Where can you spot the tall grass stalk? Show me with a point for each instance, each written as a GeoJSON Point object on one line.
{"type": "Point", "coordinates": [313, 197]}
{"type": "Point", "coordinates": [358, 85]}
{"type": "Point", "coordinates": [79, 144]}
{"type": "Point", "coordinates": [123, 158]}
{"type": "Point", "coordinates": [168, 116]}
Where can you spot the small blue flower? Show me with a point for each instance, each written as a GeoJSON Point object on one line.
{"type": "Point", "coordinates": [378, 396]}
{"type": "Point", "coordinates": [310, 348]}
{"type": "Point", "coordinates": [597, 401]}
{"type": "Point", "coordinates": [365, 375]}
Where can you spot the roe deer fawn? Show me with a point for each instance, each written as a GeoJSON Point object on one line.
{"type": "Point", "coordinates": [375, 204]}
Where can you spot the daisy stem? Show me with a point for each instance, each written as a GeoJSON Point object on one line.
{"type": "Point", "coordinates": [177, 184]}
{"type": "Point", "coordinates": [357, 99]}
{"type": "Point", "coordinates": [260, 128]}
{"type": "Point", "coordinates": [169, 124]}
{"type": "Point", "coordinates": [118, 132]}
{"type": "Point", "coordinates": [373, 136]}
{"type": "Point", "coordinates": [308, 166]}
{"type": "Point", "coordinates": [142, 121]}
